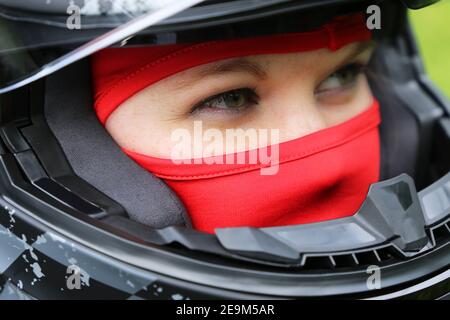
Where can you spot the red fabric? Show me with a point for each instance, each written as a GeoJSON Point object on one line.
{"type": "Point", "coordinates": [324, 175]}
{"type": "Point", "coordinates": [119, 73]}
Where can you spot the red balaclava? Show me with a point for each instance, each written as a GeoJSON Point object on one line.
{"type": "Point", "coordinates": [321, 176]}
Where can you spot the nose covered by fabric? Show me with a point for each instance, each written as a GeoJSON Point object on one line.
{"type": "Point", "coordinates": [321, 176]}
{"type": "Point", "coordinates": [324, 175]}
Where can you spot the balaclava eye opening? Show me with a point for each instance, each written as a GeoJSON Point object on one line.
{"type": "Point", "coordinates": [324, 175]}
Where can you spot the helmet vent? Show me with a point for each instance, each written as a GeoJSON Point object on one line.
{"type": "Point", "coordinates": [441, 233]}
{"type": "Point", "coordinates": [368, 257]}
{"type": "Point", "coordinates": [351, 260]}
{"type": "Point", "coordinates": [319, 262]}
{"type": "Point", "coordinates": [346, 260]}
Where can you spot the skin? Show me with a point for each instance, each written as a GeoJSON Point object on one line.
{"type": "Point", "coordinates": [297, 93]}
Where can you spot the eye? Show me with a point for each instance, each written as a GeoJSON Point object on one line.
{"type": "Point", "coordinates": [233, 100]}
{"type": "Point", "coordinates": [342, 79]}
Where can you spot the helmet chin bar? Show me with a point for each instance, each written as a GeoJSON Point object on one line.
{"type": "Point", "coordinates": [393, 219]}
{"type": "Point", "coordinates": [403, 231]}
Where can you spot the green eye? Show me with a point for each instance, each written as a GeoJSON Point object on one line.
{"type": "Point", "coordinates": [235, 99]}
{"type": "Point", "coordinates": [341, 79]}
{"type": "Point", "coordinates": [231, 100]}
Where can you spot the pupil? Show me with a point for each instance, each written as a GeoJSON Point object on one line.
{"type": "Point", "coordinates": [347, 76]}
{"type": "Point", "coordinates": [234, 99]}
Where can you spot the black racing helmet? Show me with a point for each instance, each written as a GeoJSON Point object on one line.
{"type": "Point", "coordinates": [72, 204]}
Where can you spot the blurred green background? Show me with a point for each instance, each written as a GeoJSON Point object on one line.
{"type": "Point", "coordinates": [432, 27]}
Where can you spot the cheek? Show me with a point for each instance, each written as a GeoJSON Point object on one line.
{"type": "Point", "coordinates": [293, 118]}
{"type": "Point", "coordinates": [142, 130]}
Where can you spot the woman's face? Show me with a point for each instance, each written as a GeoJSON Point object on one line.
{"type": "Point", "coordinates": [296, 93]}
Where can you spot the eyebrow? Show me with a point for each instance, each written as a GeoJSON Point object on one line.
{"type": "Point", "coordinates": [243, 65]}
{"type": "Point", "coordinates": [237, 65]}
{"type": "Point", "coordinates": [359, 49]}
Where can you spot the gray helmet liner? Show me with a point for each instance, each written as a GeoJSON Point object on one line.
{"type": "Point", "coordinates": [97, 159]}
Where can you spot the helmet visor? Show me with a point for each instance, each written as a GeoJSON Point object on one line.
{"type": "Point", "coordinates": [40, 37]}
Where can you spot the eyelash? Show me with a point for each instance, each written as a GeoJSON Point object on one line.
{"type": "Point", "coordinates": [355, 69]}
